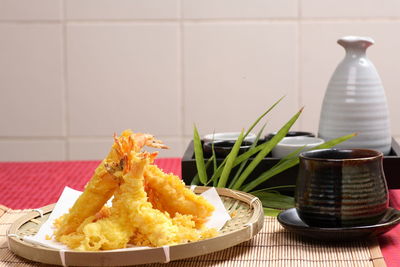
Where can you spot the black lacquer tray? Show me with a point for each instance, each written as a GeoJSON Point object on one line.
{"type": "Point", "coordinates": [391, 166]}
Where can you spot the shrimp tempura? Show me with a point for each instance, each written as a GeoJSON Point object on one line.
{"type": "Point", "coordinates": [99, 189]}
{"type": "Point", "coordinates": [168, 193]}
{"type": "Point", "coordinates": [133, 218]}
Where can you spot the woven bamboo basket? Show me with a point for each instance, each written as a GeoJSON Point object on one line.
{"type": "Point", "coordinates": [246, 223]}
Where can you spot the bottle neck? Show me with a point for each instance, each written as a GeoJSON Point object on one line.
{"type": "Point", "coordinates": [355, 47]}
{"type": "Point", "coordinates": [353, 52]}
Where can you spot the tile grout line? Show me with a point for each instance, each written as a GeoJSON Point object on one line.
{"type": "Point", "coordinates": [65, 75]}
{"type": "Point", "coordinates": [299, 64]}
{"type": "Point", "coordinates": [208, 20]}
{"type": "Point", "coordinates": [62, 138]}
{"type": "Point", "coordinates": [182, 74]}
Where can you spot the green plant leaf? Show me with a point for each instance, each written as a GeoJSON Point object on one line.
{"type": "Point", "coordinates": [196, 180]}
{"type": "Point", "coordinates": [334, 142]}
{"type": "Point", "coordinates": [274, 200]}
{"type": "Point", "coordinates": [230, 160]}
{"type": "Point", "coordinates": [271, 212]}
{"type": "Point", "coordinates": [273, 203]}
{"type": "Point", "coordinates": [214, 156]}
{"type": "Point", "coordinates": [276, 169]}
{"type": "Point", "coordinates": [262, 116]}
{"type": "Point", "coordinates": [271, 189]}
{"type": "Point", "coordinates": [292, 155]}
{"type": "Point", "coordinates": [239, 159]}
{"type": "Point", "coordinates": [248, 153]}
{"type": "Point", "coordinates": [218, 172]}
{"type": "Point", "coordinates": [198, 152]}
{"type": "Point", "coordinates": [288, 162]}
{"type": "Point", "coordinates": [268, 147]}
{"type": "Point", "coordinates": [243, 164]}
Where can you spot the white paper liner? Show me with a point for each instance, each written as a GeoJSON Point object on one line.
{"type": "Point", "coordinates": [62, 257]}
{"type": "Point", "coordinates": [166, 254]}
{"type": "Point", "coordinates": [68, 197]}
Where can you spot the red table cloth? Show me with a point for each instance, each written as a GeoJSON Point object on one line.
{"type": "Point", "coordinates": [37, 184]}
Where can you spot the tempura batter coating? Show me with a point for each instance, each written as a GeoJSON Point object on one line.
{"type": "Point", "coordinates": [105, 180]}
{"type": "Point", "coordinates": [97, 192]}
{"type": "Point", "coordinates": [168, 193]}
{"type": "Point", "coordinates": [132, 219]}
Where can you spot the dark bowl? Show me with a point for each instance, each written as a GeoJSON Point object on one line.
{"type": "Point", "coordinates": [223, 148]}
{"type": "Point", "coordinates": [290, 134]}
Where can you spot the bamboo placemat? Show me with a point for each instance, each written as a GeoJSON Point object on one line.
{"type": "Point", "coordinates": [273, 246]}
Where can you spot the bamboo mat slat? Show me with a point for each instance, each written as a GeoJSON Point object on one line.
{"type": "Point", "coordinates": [273, 246]}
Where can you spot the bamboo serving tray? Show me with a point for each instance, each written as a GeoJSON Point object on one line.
{"type": "Point", "coordinates": [247, 222]}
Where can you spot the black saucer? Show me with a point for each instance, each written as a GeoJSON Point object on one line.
{"type": "Point", "coordinates": [291, 221]}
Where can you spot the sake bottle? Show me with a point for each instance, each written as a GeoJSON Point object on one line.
{"type": "Point", "coordinates": [355, 101]}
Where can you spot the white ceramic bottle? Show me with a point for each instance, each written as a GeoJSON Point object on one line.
{"type": "Point", "coordinates": [355, 101]}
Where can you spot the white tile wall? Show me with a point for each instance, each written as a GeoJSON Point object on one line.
{"type": "Point", "coordinates": [239, 9]}
{"type": "Point", "coordinates": [96, 148]}
{"type": "Point", "coordinates": [28, 10]}
{"type": "Point", "coordinates": [31, 80]}
{"type": "Point", "coordinates": [88, 148]}
{"type": "Point", "coordinates": [350, 9]}
{"type": "Point", "coordinates": [234, 72]}
{"type": "Point", "coordinates": [73, 72]}
{"type": "Point", "coordinates": [32, 150]}
{"type": "Point", "coordinates": [123, 76]}
{"type": "Point", "coordinates": [122, 9]}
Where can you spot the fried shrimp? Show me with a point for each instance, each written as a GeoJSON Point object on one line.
{"type": "Point", "coordinates": [168, 193]}
{"type": "Point", "coordinates": [133, 218]}
{"type": "Point", "coordinates": [105, 180]}
{"type": "Point", "coordinates": [116, 230]}
{"type": "Point", "coordinates": [99, 189]}
{"type": "Point", "coordinates": [152, 223]}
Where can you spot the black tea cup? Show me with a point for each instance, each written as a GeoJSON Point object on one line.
{"type": "Point", "coordinates": [341, 187]}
